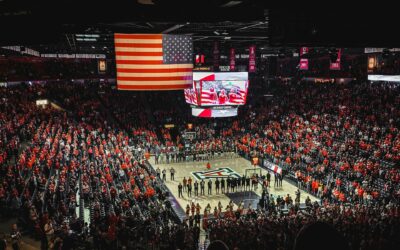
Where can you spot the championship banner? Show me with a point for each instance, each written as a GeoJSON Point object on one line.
{"type": "Point", "coordinates": [273, 167]}
{"type": "Point", "coordinates": [303, 65]}
{"type": "Point", "coordinates": [102, 66]}
{"type": "Point", "coordinates": [216, 56]}
{"type": "Point", "coordinates": [153, 61]}
{"type": "Point", "coordinates": [232, 60]}
{"type": "Point", "coordinates": [199, 59]}
{"type": "Point", "coordinates": [371, 63]}
{"type": "Point", "coordinates": [336, 65]}
{"type": "Point", "coordinates": [252, 58]}
{"type": "Point", "coordinates": [303, 51]}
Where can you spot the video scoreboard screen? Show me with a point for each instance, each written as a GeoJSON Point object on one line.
{"type": "Point", "coordinates": [218, 89]}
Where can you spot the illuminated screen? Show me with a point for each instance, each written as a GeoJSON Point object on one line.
{"type": "Point", "coordinates": [218, 88]}
{"type": "Point", "coordinates": [191, 95]}
{"type": "Point", "coordinates": [384, 78]}
{"type": "Point", "coordinates": [214, 113]}
{"type": "Point", "coordinates": [215, 93]}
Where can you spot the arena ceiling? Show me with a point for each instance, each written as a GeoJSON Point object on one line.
{"type": "Point", "coordinates": [50, 26]}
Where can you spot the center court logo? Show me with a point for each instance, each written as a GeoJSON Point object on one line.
{"type": "Point", "coordinates": [216, 173]}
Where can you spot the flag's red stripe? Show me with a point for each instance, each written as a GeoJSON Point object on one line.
{"type": "Point", "coordinates": [140, 62]}
{"type": "Point", "coordinates": [161, 78]}
{"type": "Point", "coordinates": [137, 36]}
{"type": "Point", "coordinates": [131, 53]}
{"type": "Point", "coordinates": [139, 45]}
{"type": "Point", "coordinates": [171, 70]}
{"type": "Point", "coordinates": [153, 87]}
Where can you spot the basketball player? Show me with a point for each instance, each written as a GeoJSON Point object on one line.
{"type": "Point", "coordinates": [202, 184]}
{"type": "Point", "coordinates": [196, 188]}
{"type": "Point", "coordinates": [180, 190]}
{"type": "Point", "coordinates": [223, 185]}
{"type": "Point", "coordinates": [184, 183]}
{"type": "Point", "coordinates": [172, 171]}
{"type": "Point", "coordinates": [217, 186]}
{"type": "Point", "coordinates": [189, 190]}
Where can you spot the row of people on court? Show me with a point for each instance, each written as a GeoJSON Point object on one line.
{"type": "Point", "coordinates": [240, 184]}
{"type": "Point", "coordinates": [193, 209]}
{"type": "Point", "coordinates": [191, 155]}
{"type": "Point", "coordinates": [164, 173]}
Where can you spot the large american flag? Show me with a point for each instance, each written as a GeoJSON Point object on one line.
{"type": "Point", "coordinates": [153, 61]}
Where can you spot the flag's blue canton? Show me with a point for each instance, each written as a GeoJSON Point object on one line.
{"type": "Point", "coordinates": [177, 49]}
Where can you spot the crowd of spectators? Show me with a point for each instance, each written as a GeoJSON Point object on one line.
{"type": "Point", "coordinates": [340, 142]}
{"type": "Point", "coordinates": [345, 138]}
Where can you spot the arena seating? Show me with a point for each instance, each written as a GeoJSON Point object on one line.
{"type": "Point", "coordinates": [58, 166]}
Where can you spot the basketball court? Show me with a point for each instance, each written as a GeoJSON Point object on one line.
{"type": "Point", "coordinates": [222, 167]}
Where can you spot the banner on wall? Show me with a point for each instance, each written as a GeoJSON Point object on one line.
{"type": "Point", "coordinates": [336, 65]}
{"type": "Point", "coordinates": [212, 112]}
{"type": "Point", "coordinates": [199, 59]}
{"type": "Point", "coordinates": [216, 55]}
{"type": "Point", "coordinates": [371, 63]}
{"type": "Point", "coordinates": [252, 58]}
{"type": "Point", "coordinates": [273, 167]}
{"type": "Point", "coordinates": [232, 60]}
{"type": "Point", "coordinates": [303, 65]}
{"type": "Point", "coordinates": [384, 78]}
{"type": "Point", "coordinates": [102, 66]}
{"type": "Point", "coordinates": [303, 51]}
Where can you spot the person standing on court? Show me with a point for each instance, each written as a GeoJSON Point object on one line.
{"type": "Point", "coordinates": [180, 190]}
{"type": "Point", "coordinates": [248, 183]}
{"type": "Point", "coordinates": [223, 185]}
{"type": "Point", "coordinates": [217, 186]}
{"type": "Point", "coordinates": [233, 184]}
{"type": "Point", "coordinates": [184, 183]}
{"type": "Point", "coordinates": [209, 189]}
{"type": "Point", "coordinates": [189, 190]}
{"type": "Point", "coordinates": [196, 188]}
{"type": "Point", "coordinates": [190, 181]}
{"type": "Point", "coordinates": [202, 184]}
{"type": "Point", "coordinates": [276, 182]}
{"type": "Point", "coordinates": [268, 179]}
{"type": "Point", "coordinates": [237, 183]}
{"type": "Point", "coordinates": [158, 171]}
{"type": "Point", "coordinates": [228, 184]}
{"type": "Point", "coordinates": [172, 171]}
{"type": "Point", "coordinates": [164, 175]}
